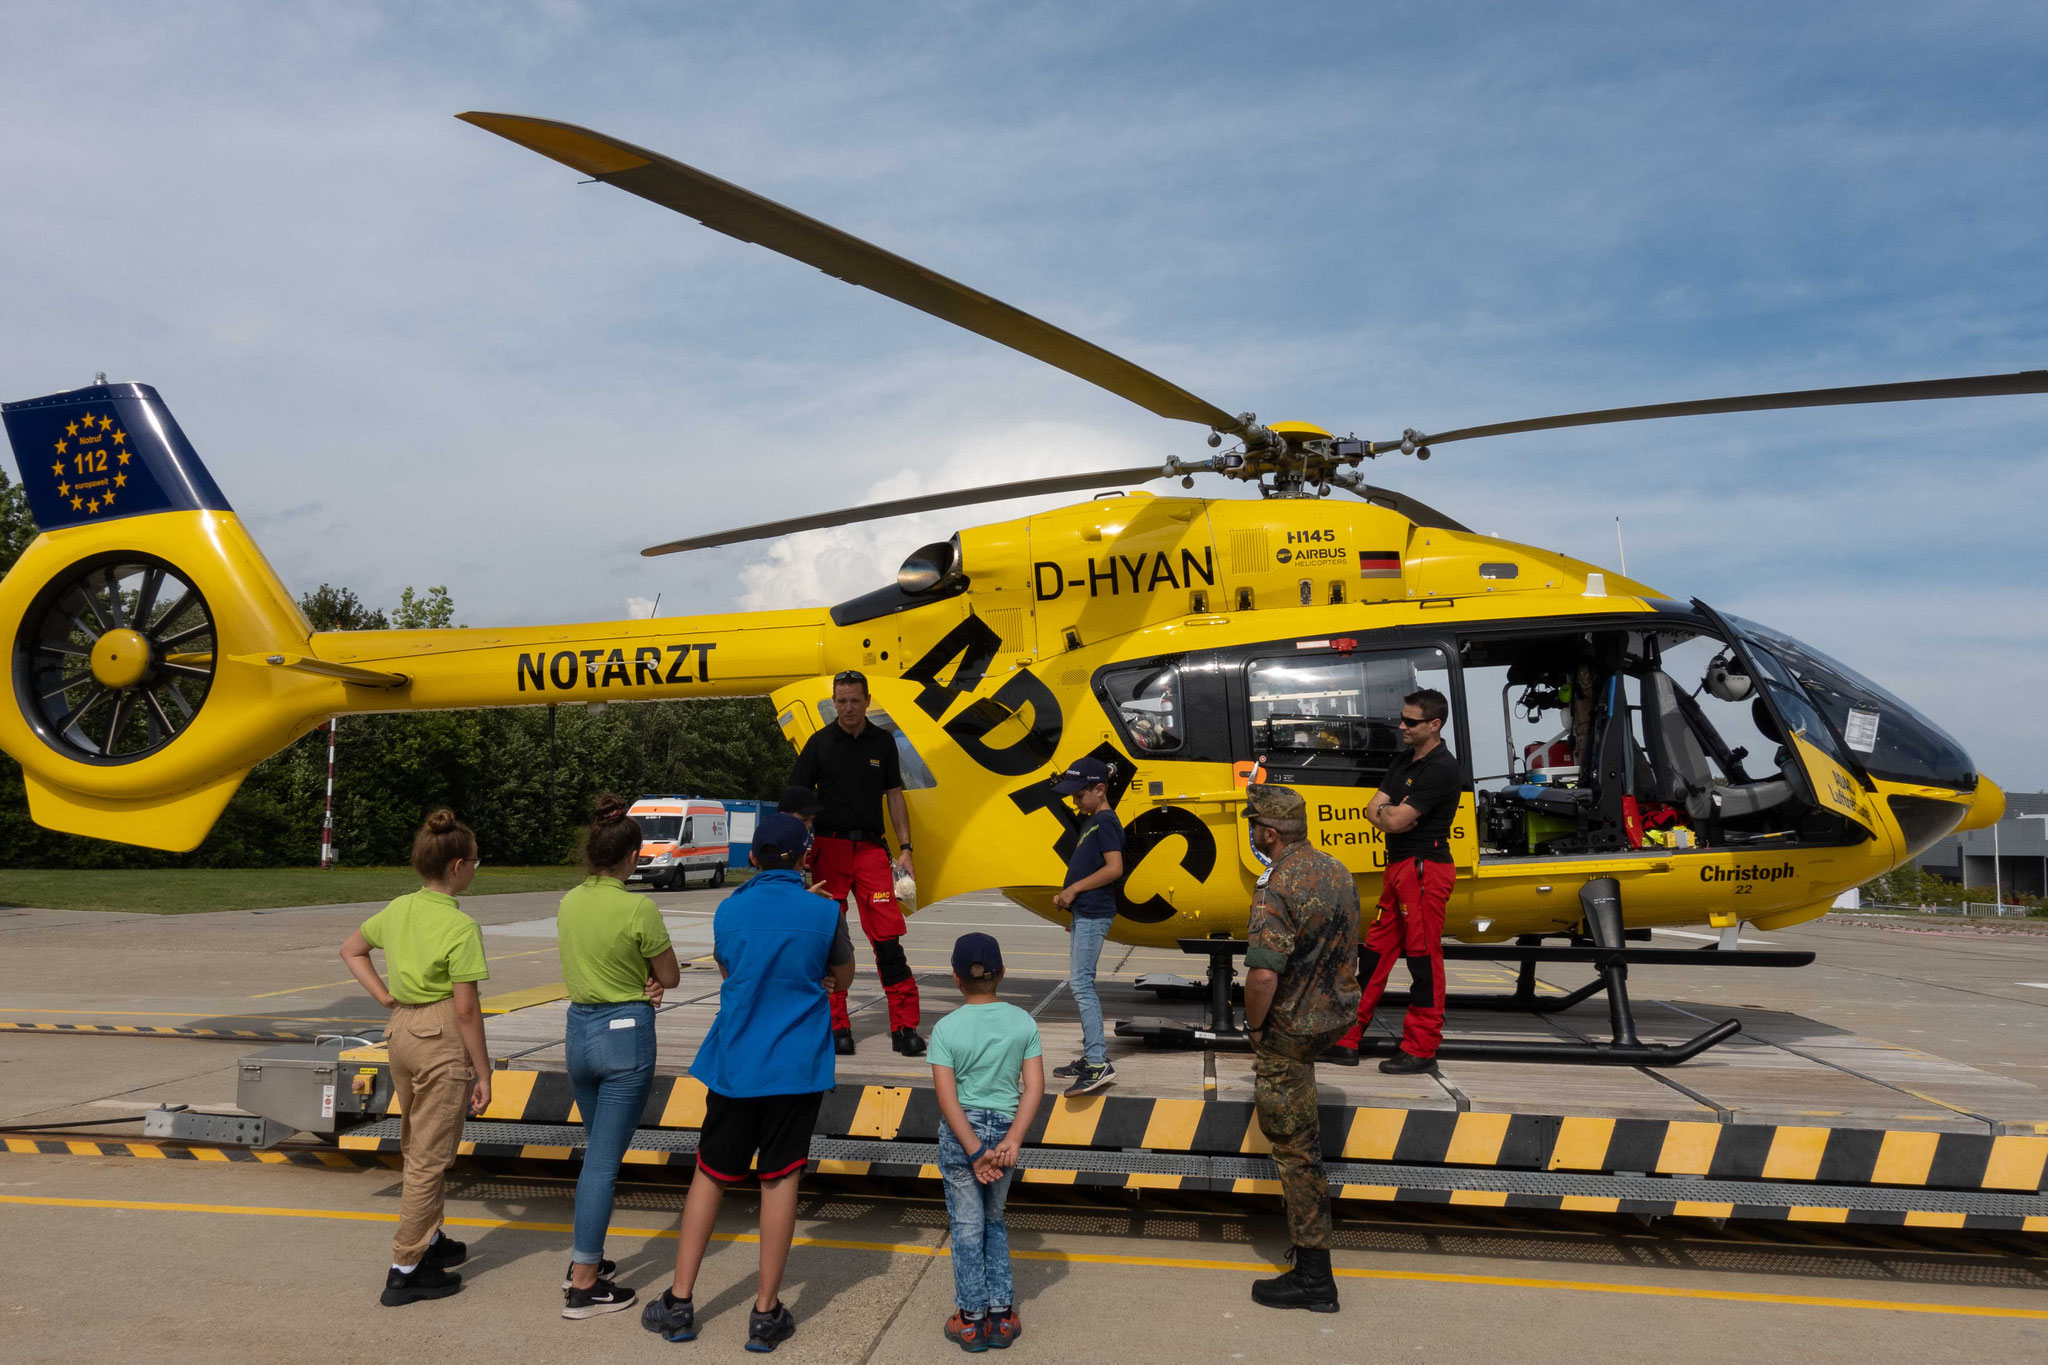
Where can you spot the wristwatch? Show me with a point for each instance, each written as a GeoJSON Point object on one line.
{"type": "Point", "coordinates": [903, 848]}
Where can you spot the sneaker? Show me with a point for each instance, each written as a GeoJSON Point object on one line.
{"type": "Point", "coordinates": [842, 1042]}
{"type": "Point", "coordinates": [424, 1281]}
{"type": "Point", "coordinates": [445, 1252]}
{"type": "Point", "coordinates": [602, 1297]}
{"type": "Point", "coordinates": [604, 1272]}
{"type": "Point", "coordinates": [1071, 1069]}
{"type": "Point", "coordinates": [1092, 1078]}
{"type": "Point", "coordinates": [907, 1041]}
{"type": "Point", "coordinates": [1407, 1064]}
{"type": "Point", "coordinates": [1003, 1328]}
{"type": "Point", "coordinates": [766, 1331]}
{"type": "Point", "coordinates": [670, 1318]}
{"type": "Point", "coordinates": [969, 1334]}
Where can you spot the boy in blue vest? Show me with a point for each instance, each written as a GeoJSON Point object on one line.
{"type": "Point", "coordinates": [989, 1077]}
{"type": "Point", "coordinates": [766, 1064]}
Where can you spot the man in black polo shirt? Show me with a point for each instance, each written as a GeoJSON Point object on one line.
{"type": "Point", "coordinates": [1414, 807]}
{"type": "Point", "coordinates": [852, 765]}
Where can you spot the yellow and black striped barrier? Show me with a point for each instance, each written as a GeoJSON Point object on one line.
{"type": "Point", "coordinates": [172, 1151]}
{"type": "Point", "coordinates": [1888, 1158]}
{"type": "Point", "coordinates": [238, 1035]}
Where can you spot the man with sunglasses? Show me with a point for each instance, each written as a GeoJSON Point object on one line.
{"type": "Point", "coordinates": [1414, 807]}
{"type": "Point", "coordinates": [853, 767]}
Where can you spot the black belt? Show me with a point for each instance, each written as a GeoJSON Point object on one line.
{"type": "Point", "coordinates": [856, 836]}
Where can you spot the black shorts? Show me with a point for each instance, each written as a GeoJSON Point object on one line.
{"type": "Point", "coordinates": [778, 1127]}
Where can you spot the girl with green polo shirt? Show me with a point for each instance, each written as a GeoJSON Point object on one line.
{"type": "Point", "coordinates": [616, 961]}
{"type": "Point", "coordinates": [440, 1071]}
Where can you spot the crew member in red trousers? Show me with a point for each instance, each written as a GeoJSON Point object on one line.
{"type": "Point", "coordinates": [853, 767]}
{"type": "Point", "coordinates": [1414, 807]}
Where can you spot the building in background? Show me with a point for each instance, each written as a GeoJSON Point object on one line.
{"type": "Point", "coordinates": [2019, 843]}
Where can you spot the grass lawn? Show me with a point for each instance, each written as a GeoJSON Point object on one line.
{"type": "Point", "coordinates": [186, 891]}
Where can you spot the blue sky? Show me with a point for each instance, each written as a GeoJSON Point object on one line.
{"type": "Point", "coordinates": [413, 353]}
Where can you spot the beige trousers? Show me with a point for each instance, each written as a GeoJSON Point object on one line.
{"type": "Point", "coordinates": [430, 1083]}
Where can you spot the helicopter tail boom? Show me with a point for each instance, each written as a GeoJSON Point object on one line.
{"type": "Point", "coordinates": [155, 655]}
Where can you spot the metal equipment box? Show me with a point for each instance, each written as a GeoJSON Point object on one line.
{"type": "Point", "coordinates": [309, 1087]}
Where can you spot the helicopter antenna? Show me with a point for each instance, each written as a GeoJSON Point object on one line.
{"type": "Point", "coordinates": [1621, 547]}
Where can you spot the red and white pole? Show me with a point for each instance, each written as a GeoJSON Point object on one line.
{"type": "Point", "coordinates": [327, 824]}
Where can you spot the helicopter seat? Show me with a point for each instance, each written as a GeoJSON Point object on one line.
{"type": "Point", "coordinates": [1679, 762]}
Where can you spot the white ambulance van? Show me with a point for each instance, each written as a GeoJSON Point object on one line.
{"type": "Point", "coordinates": [680, 836]}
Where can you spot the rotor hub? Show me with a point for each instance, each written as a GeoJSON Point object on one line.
{"type": "Point", "coordinates": [120, 658]}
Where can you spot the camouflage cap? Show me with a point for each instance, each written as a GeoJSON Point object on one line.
{"type": "Point", "coordinates": [1264, 801]}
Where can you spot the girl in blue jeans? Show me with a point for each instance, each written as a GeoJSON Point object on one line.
{"type": "Point", "coordinates": [616, 961]}
{"type": "Point", "coordinates": [989, 1078]}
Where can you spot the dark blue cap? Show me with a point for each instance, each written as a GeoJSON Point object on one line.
{"type": "Point", "coordinates": [784, 833]}
{"type": "Point", "coordinates": [977, 955]}
{"type": "Point", "coordinates": [1085, 772]}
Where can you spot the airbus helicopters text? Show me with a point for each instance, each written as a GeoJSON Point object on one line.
{"type": "Point", "coordinates": [1719, 770]}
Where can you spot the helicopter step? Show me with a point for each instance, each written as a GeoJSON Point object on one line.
{"type": "Point", "coordinates": [1604, 947]}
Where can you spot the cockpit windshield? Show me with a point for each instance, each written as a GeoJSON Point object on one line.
{"type": "Point", "coordinates": [1888, 737]}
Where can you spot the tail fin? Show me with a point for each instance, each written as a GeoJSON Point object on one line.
{"type": "Point", "coordinates": [129, 711]}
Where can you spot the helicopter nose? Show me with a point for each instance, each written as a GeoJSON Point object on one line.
{"type": "Point", "coordinates": [1987, 805]}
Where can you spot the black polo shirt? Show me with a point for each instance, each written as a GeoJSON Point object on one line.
{"type": "Point", "coordinates": [850, 773]}
{"type": "Point", "coordinates": [1432, 786]}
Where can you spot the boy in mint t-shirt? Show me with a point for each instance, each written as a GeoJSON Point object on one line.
{"type": "Point", "coordinates": [990, 1079]}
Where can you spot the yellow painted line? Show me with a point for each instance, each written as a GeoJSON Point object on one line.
{"type": "Point", "coordinates": [1494, 1199]}
{"type": "Point", "coordinates": [1587, 1203]}
{"type": "Point", "coordinates": [1804, 1214]}
{"type": "Point", "coordinates": [350, 981]}
{"type": "Point", "coordinates": [1087, 1258]}
{"type": "Point", "coordinates": [1699, 1208]}
{"type": "Point", "coordinates": [1934, 1220]}
{"type": "Point", "coordinates": [686, 1103]}
{"type": "Point", "coordinates": [519, 1000]}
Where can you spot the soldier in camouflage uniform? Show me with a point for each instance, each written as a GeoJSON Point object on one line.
{"type": "Point", "coordinates": [1301, 993]}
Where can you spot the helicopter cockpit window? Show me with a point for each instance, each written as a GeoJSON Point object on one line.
{"type": "Point", "coordinates": [1885, 735]}
{"type": "Point", "coordinates": [916, 776]}
{"type": "Point", "coordinates": [1607, 740]}
{"type": "Point", "coordinates": [1147, 700]}
{"type": "Point", "coordinates": [1335, 717]}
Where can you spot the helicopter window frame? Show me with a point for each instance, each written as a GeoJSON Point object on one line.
{"type": "Point", "coordinates": [1205, 708]}
{"type": "Point", "coordinates": [917, 775]}
{"type": "Point", "coordinates": [1366, 646]}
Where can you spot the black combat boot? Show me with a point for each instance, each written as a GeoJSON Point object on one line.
{"type": "Point", "coordinates": [1309, 1285]}
{"type": "Point", "coordinates": [842, 1042]}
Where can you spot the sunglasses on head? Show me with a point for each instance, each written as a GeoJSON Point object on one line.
{"type": "Point", "coordinates": [850, 676]}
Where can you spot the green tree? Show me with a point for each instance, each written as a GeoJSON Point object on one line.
{"type": "Point", "coordinates": [432, 610]}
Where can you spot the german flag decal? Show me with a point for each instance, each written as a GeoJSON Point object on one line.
{"type": "Point", "coordinates": [1379, 563]}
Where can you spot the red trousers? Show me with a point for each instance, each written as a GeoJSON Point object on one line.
{"type": "Point", "coordinates": [842, 866]}
{"type": "Point", "coordinates": [1410, 925]}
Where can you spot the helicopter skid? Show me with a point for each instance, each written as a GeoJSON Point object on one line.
{"type": "Point", "coordinates": [1178, 1034]}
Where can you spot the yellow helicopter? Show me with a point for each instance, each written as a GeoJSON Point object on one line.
{"type": "Point", "coordinates": [1718, 770]}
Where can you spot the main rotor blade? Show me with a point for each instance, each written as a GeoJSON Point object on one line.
{"type": "Point", "coordinates": [1971, 386]}
{"type": "Point", "coordinates": [877, 511]}
{"type": "Point", "coordinates": [726, 208]}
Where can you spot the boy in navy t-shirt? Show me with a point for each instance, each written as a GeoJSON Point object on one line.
{"type": "Point", "coordinates": [766, 1064]}
{"type": "Point", "coordinates": [1089, 896]}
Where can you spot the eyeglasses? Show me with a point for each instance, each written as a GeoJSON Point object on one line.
{"type": "Point", "coordinates": [851, 675]}
{"type": "Point", "coordinates": [1410, 722]}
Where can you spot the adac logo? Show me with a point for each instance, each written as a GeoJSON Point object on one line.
{"type": "Point", "coordinates": [90, 463]}
{"type": "Point", "coordinates": [1284, 555]}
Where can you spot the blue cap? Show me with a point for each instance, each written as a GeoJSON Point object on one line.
{"type": "Point", "coordinates": [977, 955]}
{"type": "Point", "coordinates": [1084, 772]}
{"type": "Point", "coordinates": [784, 833]}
